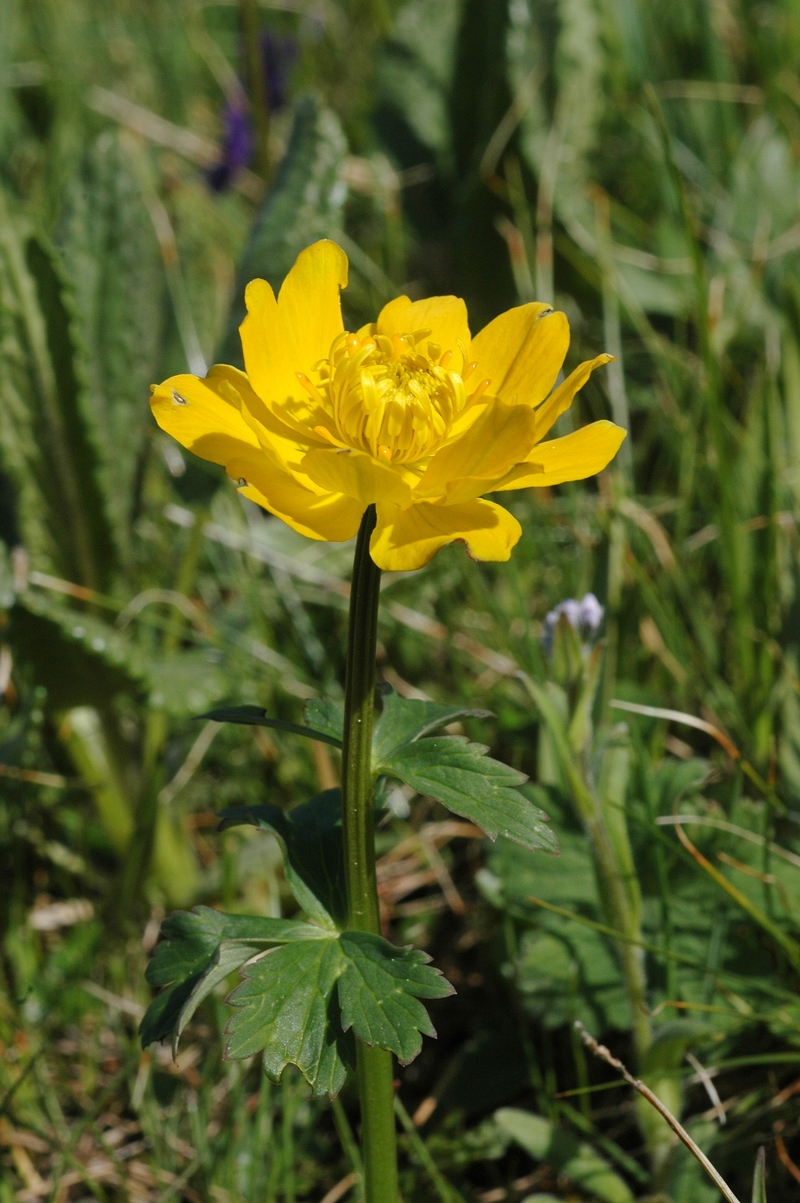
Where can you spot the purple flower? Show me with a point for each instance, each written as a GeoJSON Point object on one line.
{"type": "Point", "coordinates": [584, 616]}
{"type": "Point", "coordinates": [237, 146]}
{"type": "Point", "coordinates": [277, 55]}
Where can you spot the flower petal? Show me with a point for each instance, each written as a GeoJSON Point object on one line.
{"type": "Point", "coordinates": [204, 416]}
{"type": "Point", "coordinates": [560, 400]}
{"type": "Point", "coordinates": [328, 516]}
{"type": "Point", "coordinates": [574, 457]}
{"type": "Point", "coordinates": [357, 475]}
{"type": "Point", "coordinates": [288, 444]}
{"type": "Point", "coordinates": [404, 540]}
{"type": "Point", "coordinates": [501, 436]}
{"type": "Point", "coordinates": [283, 337]}
{"type": "Point", "coordinates": [445, 317]}
{"type": "Point", "coordinates": [309, 301]}
{"type": "Point", "coordinates": [521, 353]}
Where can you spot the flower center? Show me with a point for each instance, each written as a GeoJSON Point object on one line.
{"type": "Point", "coordinates": [395, 398]}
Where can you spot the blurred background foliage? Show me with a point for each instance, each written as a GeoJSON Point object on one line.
{"type": "Point", "coordinates": [639, 167]}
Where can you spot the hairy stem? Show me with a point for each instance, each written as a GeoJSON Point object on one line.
{"type": "Point", "coordinates": [375, 1073]}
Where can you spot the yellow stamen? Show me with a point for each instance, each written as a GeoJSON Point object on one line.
{"type": "Point", "coordinates": [386, 397]}
{"type": "Point", "coordinates": [480, 390]}
{"type": "Point", "coordinates": [309, 387]}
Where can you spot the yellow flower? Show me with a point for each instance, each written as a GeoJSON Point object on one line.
{"type": "Point", "coordinates": [410, 413]}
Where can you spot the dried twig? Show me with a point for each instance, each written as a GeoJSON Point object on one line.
{"type": "Point", "coordinates": [603, 1053]}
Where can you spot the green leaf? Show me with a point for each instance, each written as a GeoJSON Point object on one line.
{"type": "Point", "coordinates": [188, 951]}
{"type": "Point", "coordinates": [404, 720]}
{"type": "Point", "coordinates": [47, 446]}
{"type": "Point", "coordinates": [311, 840]}
{"type": "Point", "coordinates": [379, 989]}
{"type": "Point", "coordinates": [287, 1007]}
{"type": "Point", "coordinates": [254, 716]}
{"type": "Point", "coordinates": [80, 659]}
{"type": "Point", "coordinates": [759, 1184]}
{"type": "Point", "coordinates": [325, 715]}
{"type": "Point", "coordinates": [461, 776]}
{"type": "Point", "coordinates": [115, 271]}
{"type": "Point", "coordinates": [571, 1157]}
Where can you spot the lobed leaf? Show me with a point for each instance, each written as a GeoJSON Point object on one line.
{"type": "Point", "coordinates": [311, 841]}
{"type": "Point", "coordinates": [405, 720]}
{"type": "Point", "coordinates": [287, 1009]}
{"type": "Point", "coordinates": [379, 989]}
{"type": "Point", "coordinates": [461, 776]}
{"type": "Point", "coordinates": [188, 956]}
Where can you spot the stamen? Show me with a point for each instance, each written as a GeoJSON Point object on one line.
{"type": "Point", "coordinates": [444, 362]}
{"type": "Point", "coordinates": [309, 387]}
{"type": "Point", "coordinates": [324, 433]}
{"type": "Point", "coordinates": [385, 453]}
{"type": "Point", "coordinates": [480, 390]}
{"type": "Point", "coordinates": [469, 369]}
{"type": "Point", "coordinates": [434, 352]}
{"type": "Point", "coordinates": [418, 336]}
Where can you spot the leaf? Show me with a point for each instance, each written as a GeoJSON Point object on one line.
{"type": "Point", "coordinates": [404, 720]}
{"type": "Point", "coordinates": [325, 715]}
{"type": "Point", "coordinates": [112, 261]}
{"type": "Point", "coordinates": [305, 203]}
{"type": "Point", "coordinates": [80, 659]}
{"type": "Point", "coordinates": [571, 1157]}
{"type": "Point", "coordinates": [461, 776]}
{"type": "Point", "coordinates": [311, 840]}
{"type": "Point", "coordinates": [189, 946]}
{"type": "Point", "coordinates": [185, 682]}
{"type": "Point", "coordinates": [287, 1007]}
{"type": "Point", "coordinates": [84, 661]}
{"type": "Point", "coordinates": [759, 1184]}
{"type": "Point", "coordinates": [379, 990]}
{"type": "Point", "coordinates": [47, 446]}
{"type": "Point", "coordinates": [254, 716]}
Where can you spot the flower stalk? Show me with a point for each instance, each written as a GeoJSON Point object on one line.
{"type": "Point", "coordinates": [374, 1065]}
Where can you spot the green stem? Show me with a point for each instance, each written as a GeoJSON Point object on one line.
{"type": "Point", "coordinates": [374, 1065]}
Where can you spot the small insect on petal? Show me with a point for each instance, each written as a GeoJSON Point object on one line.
{"type": "Point", "coordinates": [178, 399]}
{"type": "Point", "coordinates": [243, 484]}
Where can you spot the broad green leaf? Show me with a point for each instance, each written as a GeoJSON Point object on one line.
{"type": "Point", "coordinates": [460, 775]}
{"type": "Point", "coordinates": [404, 720]}
{"type": "Point", "coordinates": [379, 989]}
{"type": "Point", "coordinates": [254, 716]}
{"type": "Point", "coordinates": [188, 948]}
{"type": "Point", "coordinates": [311, 839]}
{"type": "Point", "coordinates": [571, 1157]}
{"type": "Point", "coordinates": [287, 1007]}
